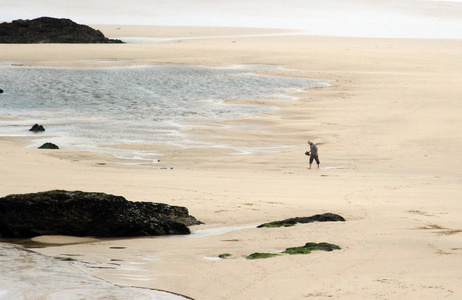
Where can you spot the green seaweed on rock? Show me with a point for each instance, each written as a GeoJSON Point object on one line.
{"type": "Point", "coordinates": [259, 255]}
{"type": "Point", "coordinates": [311, 247]}
{"type": "Point", "coordinates": [224, 255]}
{"type": "Point", "coordinates": [284, 223]}
{"type": "Point", "coordinates": [326, 217]}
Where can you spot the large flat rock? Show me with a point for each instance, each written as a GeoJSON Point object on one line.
{"type": "Point", "coordinates": [79, 213]}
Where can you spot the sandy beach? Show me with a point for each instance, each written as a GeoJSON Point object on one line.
{"type": "Point", "coordinates": [388, 132]}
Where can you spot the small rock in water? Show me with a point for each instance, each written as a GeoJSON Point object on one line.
{"type": "Point", "coordinates": [1, 91]}
{"type": "Point", "coordinates": [37, 128]}
{"type": "Point", "coordinates": [48, 146]}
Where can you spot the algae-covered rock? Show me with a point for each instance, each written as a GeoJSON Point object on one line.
{"type": "Point", "coordinates": [312, 247]}
{"type": "Point", "coordinates": [224, 255]}
{"type": "Point", "coordinates": [259, 255]}
{"type": "Point", "coordinates": [327, 217]}
{"type": "Point", "coordinates": [283, 223]}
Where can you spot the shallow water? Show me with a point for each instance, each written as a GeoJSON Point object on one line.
{"type": "Point", "coordinates": [84, 108]}
{"type": "Point", "coordinates": [27, 275]}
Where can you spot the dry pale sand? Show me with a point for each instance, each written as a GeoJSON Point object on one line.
{"type": "Point", "coordinates": [388, 131]}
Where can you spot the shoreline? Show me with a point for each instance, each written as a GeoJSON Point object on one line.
{"type": "Point", "coordinates": [192, 131]}
{"type": "Point", "coordinates": [390, 120]}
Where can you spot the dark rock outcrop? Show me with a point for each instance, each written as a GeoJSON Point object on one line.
{"type": "Point", "coordinates": [37, 128]}
{"type": "Point", "coordinates": [49, 146]}
{"type": "Point", "coordinates": [50, 30]}
{"type": "Point", "coordinates": [1, 91]}
{"type": "Point", "coordinates": [79, 213]}
{"type": "Point", "coordinates": [327, 217]}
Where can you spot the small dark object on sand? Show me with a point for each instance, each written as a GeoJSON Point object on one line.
{"type": "Point", "coordinates": [48, 146]}
{"type": "Point", "coordinates": [37, 128]}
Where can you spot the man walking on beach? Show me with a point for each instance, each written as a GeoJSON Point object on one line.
{"type": "Point", "coordinates": [313, 153]}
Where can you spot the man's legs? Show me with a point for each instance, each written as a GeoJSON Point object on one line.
{"type": "Point", "coordinates": [311, 160]}
{"type": "Point", "coordinates": [317, 161]}
{"type": "Point", "coordinates": [314, 158]}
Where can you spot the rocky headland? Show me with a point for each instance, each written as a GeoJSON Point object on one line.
{"type": "Point", "coordinates": [50, 30]}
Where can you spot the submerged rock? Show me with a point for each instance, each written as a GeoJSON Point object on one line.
{"type": "Point", "coordinates": [79, 213]}
{"type": "Point", "coordinates": [50, 30]}
{"type": "Point", "coordinates": [48, 146]}
{"type": "Point", "coordinates": [1, 91]}
{"type": "Point", "coordinates": [37, 128]}
{"type": "Point", "coordinates": [327, 217]}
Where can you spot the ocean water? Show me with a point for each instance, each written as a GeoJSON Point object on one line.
{"type": "Point", "coordinates": [94, 109]}
{"type": "Point", "coordinates": [362, 18]}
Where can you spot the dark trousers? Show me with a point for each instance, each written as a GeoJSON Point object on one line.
{"type": "Point", "coordinates": [316, 158]}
